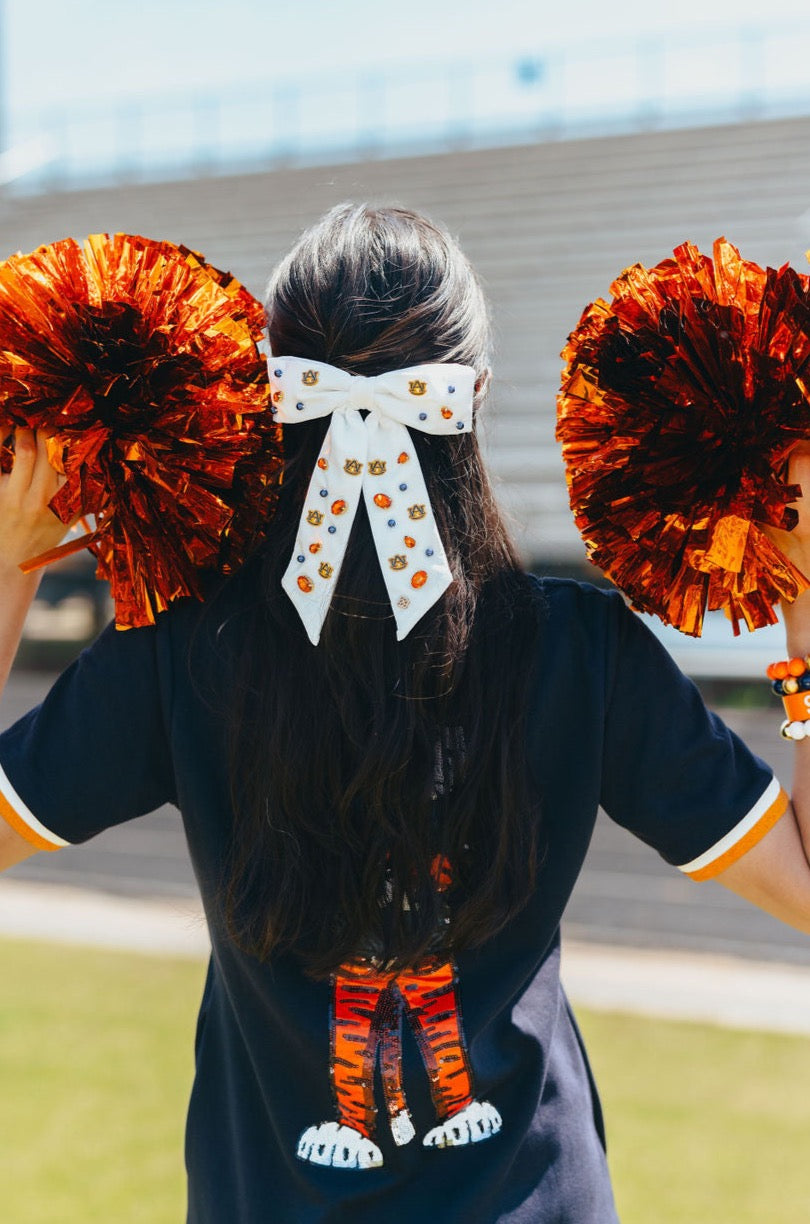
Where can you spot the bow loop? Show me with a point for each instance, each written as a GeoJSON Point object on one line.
{"type": "Point", "coordinates": [372, 457]}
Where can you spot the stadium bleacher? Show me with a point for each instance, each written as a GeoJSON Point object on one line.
{"type": "Point", "coordinates": [547, 224]}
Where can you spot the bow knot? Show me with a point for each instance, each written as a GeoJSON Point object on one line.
{"type": "Point", "coordinates": [362, 393]}
{"type": "Point", "coordinates": [372, 457]}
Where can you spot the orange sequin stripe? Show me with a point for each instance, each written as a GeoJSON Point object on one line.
{"type": "Point", "coordinates": [17, 823]}
{"type": "Point", "coordinates": [755, 834]}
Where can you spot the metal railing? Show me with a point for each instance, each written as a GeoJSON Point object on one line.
{"type": "Point", "coordinates": [719, 76]}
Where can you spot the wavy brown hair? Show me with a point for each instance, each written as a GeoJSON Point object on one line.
{"type": "Point", "coordinates": [360, 764]}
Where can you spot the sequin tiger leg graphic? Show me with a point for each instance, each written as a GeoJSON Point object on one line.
{"type": "Point", "coordinates": [431, 998]}
{"type": "Point", "coordinates": [356, 1028]}
{"type": "Point", "coordinates": [366, 1024]}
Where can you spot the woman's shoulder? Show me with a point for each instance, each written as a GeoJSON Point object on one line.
{"type": "Point", "coordinates": [567, 597]}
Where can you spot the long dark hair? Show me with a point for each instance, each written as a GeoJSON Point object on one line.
{"type": "Point", "coordinates": [364, 768]}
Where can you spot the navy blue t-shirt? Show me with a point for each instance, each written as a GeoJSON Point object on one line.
{"type": "Point", "coordinates": [459, 1091]}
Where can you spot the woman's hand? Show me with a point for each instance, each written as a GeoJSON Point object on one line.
{"type": "Point", "coordinates": [27, 526]}
{"type": "Point", "coordinates": [795, 544]}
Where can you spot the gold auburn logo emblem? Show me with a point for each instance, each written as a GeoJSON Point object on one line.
{"type": "Point", "coordinates": [416, 512]}
{"type": "Point", "coordinates": [417, 387]}
{"type": "Point", "coordinates": [314, 517]}
{"type": "Point", "coordinates": [352, 467]}
{"type": "Point", "coordinates": [398, 561]}
{"type": "Point", "coordinates": [376, 467]}
{"type": "Point", "coordinates": [325, 569]}
{"type": "Point", "coordinates": [309, 378]}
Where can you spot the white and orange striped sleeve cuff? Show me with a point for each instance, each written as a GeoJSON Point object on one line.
{"type": "Point", "coordinates": [23, 821]}
{"type": "Point", "coordinates": [745, 834]}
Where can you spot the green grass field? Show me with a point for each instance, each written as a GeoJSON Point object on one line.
{"type": "Point", "coordinates": [705, 1126]}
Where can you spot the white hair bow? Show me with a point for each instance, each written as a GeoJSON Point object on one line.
{"type": "Point", "coordinates": [373, 456]}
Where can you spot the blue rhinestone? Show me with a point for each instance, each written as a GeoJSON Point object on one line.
{"type": "Point", "coordinates": [324, 492]}
{"type": "Point", "coordinates": [300, 406]}
{"type": "Point", "coordinates": [422, 416]}
{"type": "Point", "coordinates": [278, 373]}
{"type": "Point", "coordinates": [402, 488]}
{"type": "Point", "coordinates": [300, 558]}
{"type": "Point", "coordinates": [392, 522]}
{"type": "Point", "coordinates": [428, 552]}
{"type": "Point", "coordinates": [459, 424]}
{"type": "Point", "coordinates": [450, 390]}
{"type": "Point", "coordinates": [332, 529]}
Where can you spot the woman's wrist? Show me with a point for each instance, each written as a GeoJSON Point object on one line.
{"type": "Point", "coordinates": [797, 625]}
{"type": "Point", "coordinates": [17, 591]}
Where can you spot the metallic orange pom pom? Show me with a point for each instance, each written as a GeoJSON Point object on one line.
{"type": "Point", "coordinates": [140, 362]}
{"type": "Point", "coordinates": [681, 398]}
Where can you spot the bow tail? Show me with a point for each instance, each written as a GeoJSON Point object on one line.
{"type": "Point", "coordinates": [329, 510]}
{"type": "Point", "coordinates": [410, 551]}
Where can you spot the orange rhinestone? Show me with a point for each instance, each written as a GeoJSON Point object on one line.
{"type": "Point", "coordinates": [419, 579]}
{"type": "Point", "coordinates": [447, 413]}
{"type": "Point", "coordinates": [305, 583]}
{"type": "Point", "coordinates": [278, 396]}
{"type": "Point", "coordinates": [410, 542]}
{"type": "Point", "coordinates": [323, 464]}
{"type": "Point", "coordinates": [404, 457]}
{"type": "Point", "coordinates": [316, 547]}
{"type": "Point", "coordinates": [338, 507]}
{"type": "Point", "coordinates": [382, 500]}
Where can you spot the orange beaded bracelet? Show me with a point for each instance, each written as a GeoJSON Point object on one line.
{"type": "Point", "coordinates": [791, 681]}
{"type": "Point", "coordinates": [789, 667]}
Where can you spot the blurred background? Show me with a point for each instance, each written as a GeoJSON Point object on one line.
{"type": "Point", "coordinates": [559, 142]}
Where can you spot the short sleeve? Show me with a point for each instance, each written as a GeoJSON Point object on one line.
{"type": "Point", "coordinates": [673, 773]}
{"type": "Point", "coordinates": [96, 752]}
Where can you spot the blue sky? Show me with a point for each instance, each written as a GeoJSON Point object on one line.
{"type": "Point", "coordinates": [72, 68]}
{"type": "Point", "coordinates": [60, 51]}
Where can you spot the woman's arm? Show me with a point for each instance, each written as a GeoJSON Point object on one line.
{"type": "Point", "coordinates": [27, 528]}
{"type": "Point", "coordinates": [775, 874]}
